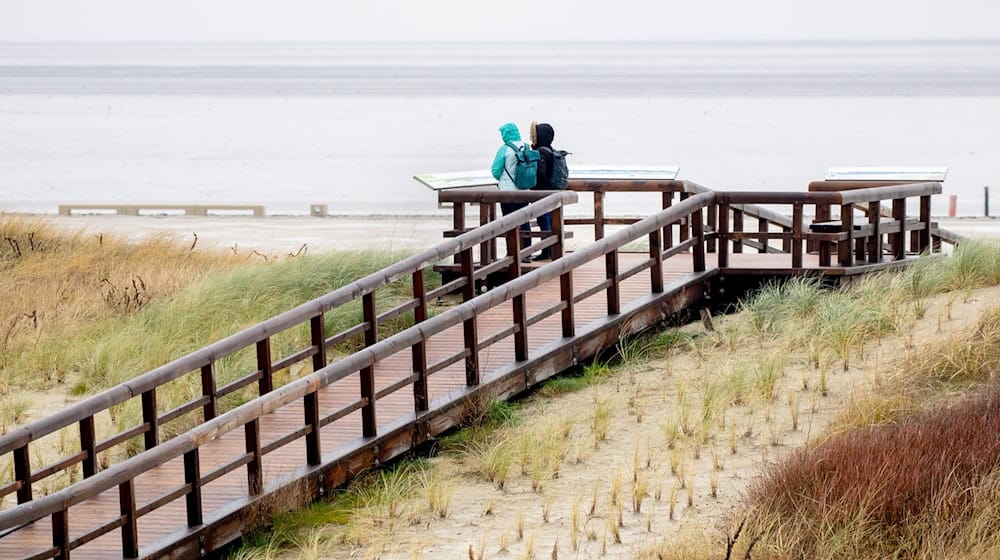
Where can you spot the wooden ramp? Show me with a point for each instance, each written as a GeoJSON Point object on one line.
{"type": "Point", "coordinates": [192, 494]}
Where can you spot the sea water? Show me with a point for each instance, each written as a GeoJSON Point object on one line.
{"type": "Point", "coordinates": [348, 125]}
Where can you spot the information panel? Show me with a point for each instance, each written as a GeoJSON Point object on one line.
{"type": "Point", "coordinates": [886, 173]}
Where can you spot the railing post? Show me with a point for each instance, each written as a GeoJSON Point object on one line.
{"type": "Point", "coordinates": [517, 302]}
{"type": "Point", "coordinates": [484, 247]}
{"type": "Point", "coordinates": [737, 228]}
{"type": "Point", "coordinates": [845, 249]}
{"type": "Point", "coordinates": [822, 215]}
{"type": "Point", "coordinates": [367, 377]}
{"type": "Point", "coordinates": [458, 220]}
{"type": "Point", "coordinates": [723, 235]}
{"type": "Point", "coordinates": [493, 241]}
{"type": "Point", "coordinates": [60, 534]}
{"type": "Point", "coordinates": [925, 229]}
{"type": "Point", "coordinates": [255, 468]}
{"type": "Point", "coordinates": [611, 273]}
{"type": "Point", "coordinates": [713, 224]}
{"type": "Point", "coordinates": [656, 254]}
{"type": "Point", "coordinates": [796, 241]}
{"type": "Point", "coordinates": [317, 335]}
{"type": "Point", "coordinates": [149, 417]}
{"type": "Point", "coordinates": [208, 389]}
{"type": "Point", "coordinates": [22, 473]}
{"type": "Point", "coordinates": [875, 241]}
{"type": "Point", "coordinates": [668, 230]}
{"type": "Point", "coordinates": [897, 241]}
{"type": "Point", "coordinates": [558, 229]}
{"type": "Point", "coordinates": [566, 278]}
{"type": "Point", "coordinates": [192, 476]}
{"type": "Point", "coordinates": [420, 397]}
{"type": "Point", "coordinates": [698, 230]}
{"type": "Point", "coordinates": [685, 223]}
{"type": "Point", "coordinates": [786, 243]}
{"type": "Point", "coordinates": [469, 330]}
{"type": "Point", "coordinates": [88, 444]}
{"type": "Point", "coordinates": [130, 527]}
{"type": "Point", "coordinates": [762, 238]}
{"type": "Point", "coordinates": [598, 215]}
{"type": "Point", "coordinates": [264, 366]}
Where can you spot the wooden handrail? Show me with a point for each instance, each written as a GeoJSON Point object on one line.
{"type": "Point", "coordinates": [249, 413]}
{"type": "Point", "coordinates": [18, 438]}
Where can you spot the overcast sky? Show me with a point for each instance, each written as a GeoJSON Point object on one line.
{"type": "Point", "coordinates": [496, 20]}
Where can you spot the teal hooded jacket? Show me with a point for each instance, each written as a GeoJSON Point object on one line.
{"type": "Point", "coordinates": [505, 158]}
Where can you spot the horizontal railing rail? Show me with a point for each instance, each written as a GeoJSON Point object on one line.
{"type": "Point", "coordinates": [413, 339]}
{"type": "Point", "coordinates": [203, 362]}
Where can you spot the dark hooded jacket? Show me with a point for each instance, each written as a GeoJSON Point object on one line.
{"type": "Point", "coordinates": [544, 134]}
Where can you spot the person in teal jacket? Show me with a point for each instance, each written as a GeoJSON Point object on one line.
{"type": "Point", "coordinates": [504, 164]}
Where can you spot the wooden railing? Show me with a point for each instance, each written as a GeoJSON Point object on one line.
{"type": "Point", "coordinates": [202, 363]}
{"type": "Point", "coordinates": [852, 242]}
{"type": "Point", "coordinates": [413, 340]}
{"type": "Point", "coordinates": [428, 418]}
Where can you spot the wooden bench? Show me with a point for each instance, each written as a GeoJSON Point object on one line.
{"type": "Point", "coordinates": [187, 209]}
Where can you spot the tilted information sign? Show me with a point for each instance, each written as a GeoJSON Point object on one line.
{"type": "Point", "coordinates": [886, 173]}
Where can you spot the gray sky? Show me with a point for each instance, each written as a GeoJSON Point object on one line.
{"type": "Point", "coordinates": [498, 20]}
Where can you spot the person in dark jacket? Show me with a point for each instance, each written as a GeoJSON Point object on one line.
{"type": "Point", "coordinates": [542, 135]}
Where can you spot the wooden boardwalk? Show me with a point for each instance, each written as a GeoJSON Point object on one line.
{"type": "Point", "coordinates": [191, 495]}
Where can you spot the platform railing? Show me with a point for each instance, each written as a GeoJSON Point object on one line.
{"type": "Point", "coordinates": [358, 367]}
{"type": "Point", "coordinates": [201, 365]}
{"type": "Point", "coordinates": [850, 240]}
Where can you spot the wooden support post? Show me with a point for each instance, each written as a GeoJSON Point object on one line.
{"type": "Point", "coordinates": [924, 235]}
{"type": "Point", "coordinates": [60, 534]}
{"type": "Point", "coordinates": [566, 279]}
{"type": "Point", "coordinates": [668, 230]}
{"type": "Point", "coordinates": [493, 242]}
{"type": "Point", "coordinates": [130, 526]}
{"type": "Point", "coordinates": [598, 215]}
{"type": "Point", "coordinates": [738, 228]}
{"type": "Point", "coordinates": [685, 222]}
{"type": "Point", "coordinates": [698, 230]}
{"type": "Point", "coordinates": [458, 220]}
{"type": "Point", "coordinates": [823, 214]}
{"type": "Point", "coordinates": [22, 473]}
{"type": "Point", "coordinates": [264, 366]}
{"type": "Point", "coordinates": [367, 377]}
{"type": "Point", "coordinates": [151, 437]}
{"type": "Point", "coordinates": [558, 231]}
{"type": "Point", "coordinates": [897, 241]}
{"type": "Point", "coordinates": [875, 241]}
{"type": "Point", "coordinates": [208, 389]}
{"type": "Point", "coordinates": [517, 304]}
{"type": "Point", "coordinates": [713, 224]}
{"type": "Point", "coordinates": [419, 350]}
{"type": "Point", "coordinates": [484, 247]}
{"type": "Point", "coordinates": [88, 444]}
{"type": "Point", "coordinates": [255, 468]}
{"type": "Point", "coordinates": [317, 335]}
{"type": "Point", "coordinates": [192, 476]}
{"type": "Point", "coordinates": [845, 253]}
{"type": "Point", "coordinates": [786, 244]}
{"type": "Point", "coordinates": [796, 240]}
{"type": "Point", "coordinates": [656, 254]}
{"type": "Point", "coordinates": [762, 229]}
{"type": "Point", "coordinates": [723, 235]}
{"type": "Point", "coordinates": [470, 333]}
{"type": "Point", "coordinates": [611, 273]}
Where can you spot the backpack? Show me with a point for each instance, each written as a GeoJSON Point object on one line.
{"type": "Point", "coordinates": [553, 173]}
{"type": "Point", "coordinates": [526, 168]}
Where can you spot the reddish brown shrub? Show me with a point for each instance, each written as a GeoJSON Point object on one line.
{"type": "Point", "coordinates": [891, 479]}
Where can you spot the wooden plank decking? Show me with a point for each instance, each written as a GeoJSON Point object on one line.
{"type": "Point", "coordinates": [158, 527]}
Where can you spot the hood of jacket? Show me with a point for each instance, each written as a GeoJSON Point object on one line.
{"type": "Point", "coordinates": [510, 133]}
{"type": "Point", "coordinates": [544, 135]}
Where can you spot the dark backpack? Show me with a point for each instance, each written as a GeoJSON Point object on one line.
{"type": "Point", "coordinates": [553, 173]}
{"type": "Point", "coordinates": [526, 169]}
